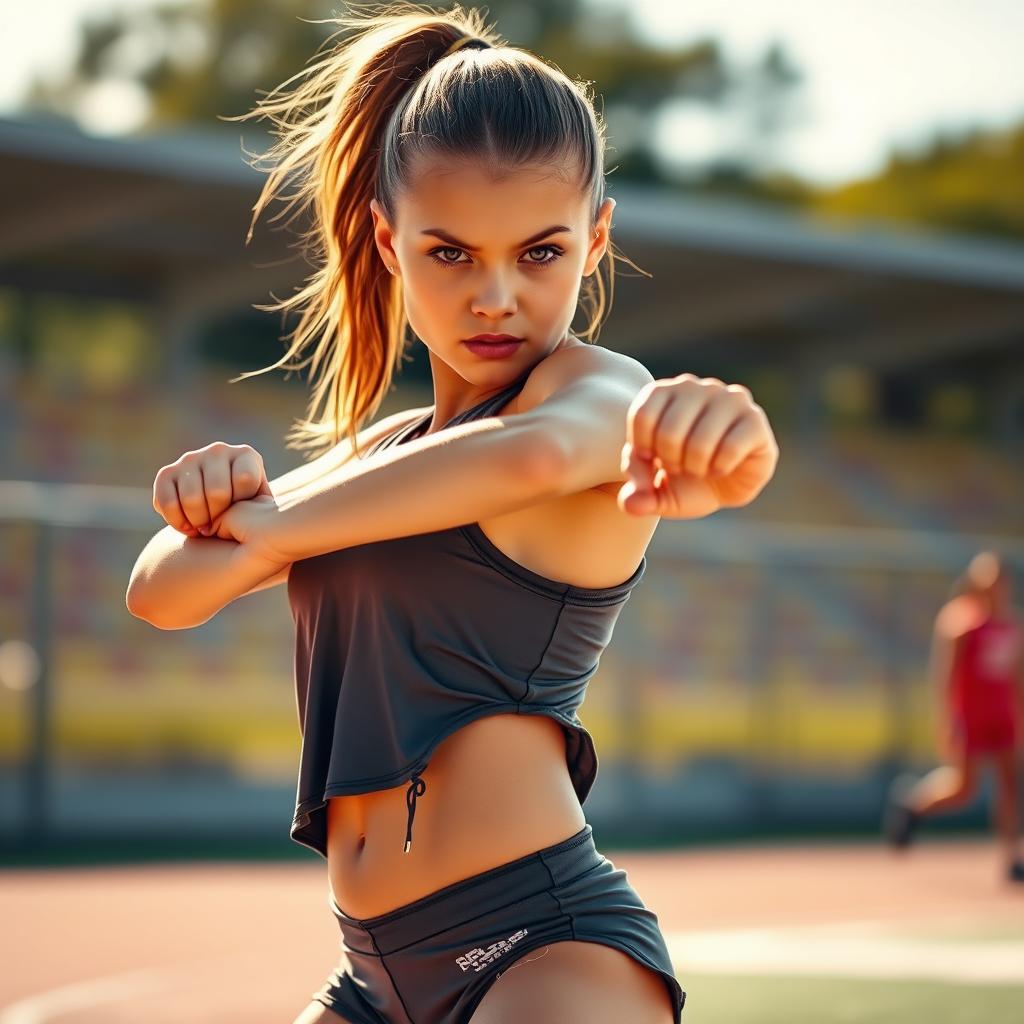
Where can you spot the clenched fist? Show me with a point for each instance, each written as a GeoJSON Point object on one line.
{"type": "Point", "coordinates": [694, 445]}
{"type": "Point", "coordinates": [199, 486]}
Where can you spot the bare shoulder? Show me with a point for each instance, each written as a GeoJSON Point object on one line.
{"type": "Point", "coordinates": [574, 363]}
{"type": "Point", "coordinates": [957, 616]}
{"type": "Point", "coordinates": [582, 538]}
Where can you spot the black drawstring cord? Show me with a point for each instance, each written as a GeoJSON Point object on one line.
{"type": "Point", "coordinates": [417, 787]}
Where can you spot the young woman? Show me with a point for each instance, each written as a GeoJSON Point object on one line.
{"type": "Point", "coordinates": [977, 665]}
{"type": "Point", "coordinates": [455, 571]}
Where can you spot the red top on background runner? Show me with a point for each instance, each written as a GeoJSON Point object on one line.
{"type": "Point", "coordinates": [983, 678]}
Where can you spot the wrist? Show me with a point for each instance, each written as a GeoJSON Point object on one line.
{"type": "Point", "coordinates": [275, 540]}
{"type": "Point", "coordinates": [260, 558]}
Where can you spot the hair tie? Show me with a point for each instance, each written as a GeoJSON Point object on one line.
{"type": "Point", "coordinates": [477, 43]}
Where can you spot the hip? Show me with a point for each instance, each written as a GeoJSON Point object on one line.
{"type": "Point", "coordinates": [433, 960]}
{"type": "Point", "coordinates": [983, 733]}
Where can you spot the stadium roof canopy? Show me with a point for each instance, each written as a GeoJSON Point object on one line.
{"type": "Point", "coordinates": [162, 220]}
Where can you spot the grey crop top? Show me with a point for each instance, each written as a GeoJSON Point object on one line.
{"type": "Point", "coordinates": [401, 642]}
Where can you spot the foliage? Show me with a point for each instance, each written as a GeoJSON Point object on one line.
{"type": "Point", "coordinates": [973, 185]}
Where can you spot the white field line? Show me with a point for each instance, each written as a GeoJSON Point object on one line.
{"type": "Point", "coordinates": [82, 995]}
{"type": "Point", "coordinates": [857, 950]}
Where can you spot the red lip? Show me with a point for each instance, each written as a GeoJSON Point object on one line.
{"type": "Point", "coordinates": [493, 337]}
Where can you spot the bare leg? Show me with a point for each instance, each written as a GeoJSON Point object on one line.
{"type": "Point", "coordinates": [576, 981]}
{"type": "Point", "coordinates": [317, 1013]}
{"type": "Point", "coordinates": [945, 787]}
{"type": "Point", "coordinates": [1007, 806]}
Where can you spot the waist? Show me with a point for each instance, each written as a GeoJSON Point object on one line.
{"type": "Point", "coordinates": [496, 789]}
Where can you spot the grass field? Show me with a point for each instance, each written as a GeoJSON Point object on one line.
{"type": "Point", "coordinates": [745, 999]}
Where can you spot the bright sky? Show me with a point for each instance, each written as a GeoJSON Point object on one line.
{"type": "Point", "coordinates": [877, 72]}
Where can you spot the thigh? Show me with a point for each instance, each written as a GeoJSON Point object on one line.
{"type": "Point", "coordinates": [963, 753]}
{"type": "Point", "coordinates": [584, 981]}
{"type": "Point", "coordinates": [1007, 769]}
{"type": "Point", "coordinates": [317, 1013]}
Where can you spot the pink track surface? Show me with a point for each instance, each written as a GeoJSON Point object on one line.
{"type": "Point", "coordinates": [251, 942]}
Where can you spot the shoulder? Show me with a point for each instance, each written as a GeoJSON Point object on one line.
{"type": "Point", "coordinates": [578, 364]}
{"type": "Point", "coordinates": [386, 424]}
{"type": "Point", "coordinates": [957, 617]}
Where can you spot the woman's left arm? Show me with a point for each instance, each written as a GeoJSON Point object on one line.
{"type": "Point", "coordinates": [472, 471]}
{"type": "Point", "coordinates": [567, 434]}
{"type": "Point", "coordinates": [574, 417]}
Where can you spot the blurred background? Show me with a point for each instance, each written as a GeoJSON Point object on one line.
{"type": "Point", "coordinates": [827, 204]}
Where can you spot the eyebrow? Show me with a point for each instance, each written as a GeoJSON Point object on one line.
{"type": "Point", "coordinates": [445, 237]}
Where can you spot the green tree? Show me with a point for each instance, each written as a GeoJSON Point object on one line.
{"type": "Point", "coordinates": [970, 184]}
{"type": "Point", "coordinates": [197, 61]}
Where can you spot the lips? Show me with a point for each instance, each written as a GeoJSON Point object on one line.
{"type": "Point", "coordinates": [494, 338]}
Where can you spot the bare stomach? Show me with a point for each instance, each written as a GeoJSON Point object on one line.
{"type": "Point", "coordinates": [496, 789]}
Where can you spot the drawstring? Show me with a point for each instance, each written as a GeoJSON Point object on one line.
{"type": "Point", "coordinates": [416, 788]}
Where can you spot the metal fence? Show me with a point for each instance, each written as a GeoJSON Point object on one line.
{"type": "Point", "coordinates": [761, 678]}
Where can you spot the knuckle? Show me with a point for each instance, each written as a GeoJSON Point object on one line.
{"type": "Point", "coordinates": [643, 425]}
{"type": "Point", "coordinates": [726, 454]}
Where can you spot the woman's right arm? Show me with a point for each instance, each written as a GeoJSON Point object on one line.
{"type": "Point", "coordinates": [179, 582]}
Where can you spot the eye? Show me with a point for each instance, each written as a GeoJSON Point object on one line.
{"type": "Point", "coordinates": [444, 263]}
{"type": "Point", "coordinates": [555, 251]}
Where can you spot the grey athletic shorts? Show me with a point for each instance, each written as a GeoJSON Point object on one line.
{"type": "Point", "coordinates": [431, 961]}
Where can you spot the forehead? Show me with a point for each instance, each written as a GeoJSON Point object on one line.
{"type": "Point", "coordinates": [480, 203]}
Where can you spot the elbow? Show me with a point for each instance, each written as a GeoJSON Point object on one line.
{"type": "Point", "coordinates": [149, 613]}
{"type": "Point", "coordinates": [133, 598]}
{"type": "Point", "coordinates": [133, 602]}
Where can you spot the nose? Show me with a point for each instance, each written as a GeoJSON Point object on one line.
{"type": "Point", "coordinates": [495, 299]}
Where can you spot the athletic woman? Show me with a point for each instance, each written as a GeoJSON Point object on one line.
{"type": "Point", "coordinates": [455, 571]}
{"type": "Point", "coordinates": [977, 665]}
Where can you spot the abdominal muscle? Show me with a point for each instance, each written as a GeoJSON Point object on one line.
{"type": "Point", "coordinates": [496, 789]}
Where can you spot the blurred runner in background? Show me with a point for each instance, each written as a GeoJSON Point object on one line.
{"type": "Point", "coordinates": [977, 667]}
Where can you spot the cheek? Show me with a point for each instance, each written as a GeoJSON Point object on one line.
{"type": "Point", "coordinates": [433, 307]}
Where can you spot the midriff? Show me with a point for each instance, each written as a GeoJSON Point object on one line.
{"type": "Point", "coordinates": [496, 789]}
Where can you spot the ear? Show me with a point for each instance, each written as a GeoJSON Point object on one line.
{"type": "Point", "coordinates": [383, 235]}
{"type": "Point", "coordinates": [600, 237]}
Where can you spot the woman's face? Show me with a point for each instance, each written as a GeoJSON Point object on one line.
{"type": "Point", "coordinates": [474, 255]}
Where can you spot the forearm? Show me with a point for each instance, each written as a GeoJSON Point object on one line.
{"type": "Point", "coordinates": [473, 471]}
{"type": "Point", "coordinates": [179, 582]}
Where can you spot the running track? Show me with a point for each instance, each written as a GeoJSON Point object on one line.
{"type": "Point", "coordinates": [234, 943]}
